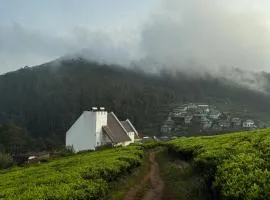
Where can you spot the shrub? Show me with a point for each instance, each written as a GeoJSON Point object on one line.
{"type": "Point", "coordinates": [5, 160]}
{"type": "Point", "coordinates": [81, 176]}
{"type": "Point", "coordinates": [235, 166]}
{"type": "Point", "coordinates": [67, 151]}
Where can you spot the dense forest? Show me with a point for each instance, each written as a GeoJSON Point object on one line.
{"type": "Point", "coordinates": [45, 100]}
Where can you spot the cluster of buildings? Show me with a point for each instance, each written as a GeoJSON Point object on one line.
{"type": "Point", "coordinates": [202, 118]}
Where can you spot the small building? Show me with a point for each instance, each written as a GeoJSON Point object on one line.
{"type": "Point", "coordinates": [206, 123]}
{"type": "Point", "coordinates": [169, 121]}
{"type": "Point", "coordinates": [188, 119]}
{"type": "Point", "coordinates": [236, 122]}
{"type": "Point", "coordinates": [249, 124]}
{"type": "Point", "coordinates": [261, 124]}
{"type": "Point", "coordinates": [203, 108]}
{"type": "Point", "coordinates": [224, 124]}
{"type": "Point", "coordinates": [214, 114]}
{"type": "Point", "coordinates": [97, 128]}
{"type": "Point", "coordinates": [166, 129]}
{"type": "Point", "coordinates": [191, 106]}
{"type": "Point", "coordinates": [180, 109]}
{"type": "Point", "coordinates": [33, 160]}
{"type": "Point", "coordinates": [216, 127]}
{"type": "Point", "coordinates": [130, 129]}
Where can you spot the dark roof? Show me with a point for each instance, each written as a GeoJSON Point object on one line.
{"type": "Point", "coordinates": [127, 126]}
{"type": "Point", "coordinates": [115, 129]}
{"type": "Point", "coordinates": [130, 128]}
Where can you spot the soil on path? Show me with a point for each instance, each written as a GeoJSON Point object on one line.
{"type": "Point", "coordinates": [157, 185]}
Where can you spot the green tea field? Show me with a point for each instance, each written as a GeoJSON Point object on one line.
{"type": "Point", "coordinates": [235, 166]}
{"type": "Point", "coordinates": [82, 176]}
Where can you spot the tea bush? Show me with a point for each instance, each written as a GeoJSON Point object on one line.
{"type": "Point", "coordinates": [81, 176]}
{"type": "Point", "coordinates": [237, 164]}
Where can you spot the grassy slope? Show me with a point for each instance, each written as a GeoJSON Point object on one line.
{"type": "Point", "coordinates": [83, 176]}
{"type": "Point", "coordinates": [235, 166]}
{"type": "Point", "coordinates": [181, 181]}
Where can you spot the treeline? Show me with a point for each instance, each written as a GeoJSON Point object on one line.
{"type": "Point", "coordinates": [47, 99]}
{"type": "Point", "coordinates": [16, 140]}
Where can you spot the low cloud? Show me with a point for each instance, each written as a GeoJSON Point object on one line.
{"type": "Point", "coordinates": [20, 47]}
{"type": "Point", "coordinates": [193, 36]}
{"type": "Point", "coordinates": [208, 35]}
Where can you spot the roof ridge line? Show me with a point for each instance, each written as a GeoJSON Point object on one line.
{"type": "Point", "coordinates": [127, 120]}
{"type": "Point", "coordinates": [120, 123]}
{"type": "Point", "coordinates": [107, 133]}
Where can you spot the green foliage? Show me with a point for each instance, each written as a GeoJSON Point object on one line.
{"type": "Point", "coordinates": [47, 99]}
{"type": "Point", "coordinates": [82, 176]}
{"type": "Point", "coordinates": [66, 151]}
{"type": "Point", "coordinates": [5, 160]}
{"type": "Point", "coordinates": [150, 144]}
{"type": "Point", "coordinates": [14, 139]}
{"type": "Point", "coordinates": [237, 164]}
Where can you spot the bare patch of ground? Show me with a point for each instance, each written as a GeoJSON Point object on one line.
{"type": "Point", "coordinates": [151, 185]}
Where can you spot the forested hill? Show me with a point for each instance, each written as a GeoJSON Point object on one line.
{"type": "Point", "coordinates": [47, 99]}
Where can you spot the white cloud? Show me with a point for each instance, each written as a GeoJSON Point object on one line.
{"type": "Point", "coordinates": [197, 35]}
{"type": "Point", "coordinates": [209, 34]}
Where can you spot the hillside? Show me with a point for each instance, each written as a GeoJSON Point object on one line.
{"type": "Point", "coordinates": [230, 166]}
{"type": "Point", "coordinates": [234, 166]}
{"type": "Point", "coordinates": [48, 98]}
{"type": "Point", "coordinates": [73, 177]}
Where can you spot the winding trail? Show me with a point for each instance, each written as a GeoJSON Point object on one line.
{"type": "Point", "coordinates": [157, 184]}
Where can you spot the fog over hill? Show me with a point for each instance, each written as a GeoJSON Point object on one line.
{"type": "Point", "coordinates": [191, 36]}
{"type": "Point", "coordinates": [224, 39]}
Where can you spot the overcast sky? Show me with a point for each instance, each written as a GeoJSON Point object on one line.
{"type": "Point", "coordinates": [180, 33]}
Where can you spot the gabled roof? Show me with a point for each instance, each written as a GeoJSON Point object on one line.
{"type": "Point", "coordinates": [130, 128]}
{"type": "Point", "coordinates": [115, 130]}
{"type": "Point", "coordinates": [249, 121]}
{"type": "Point", "coordinates": [127, 126]}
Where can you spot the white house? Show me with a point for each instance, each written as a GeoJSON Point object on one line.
{"type": "Point", "coordinates": [98, 127]}
{"type": "Point", "coordinates": [214, 114]}
{"type": "Point", "coordinates": [188, 119]}
{"type": "Point", "coordinates": [206, 123]}
{"type": "Point", "coordinates": [191, 106]}
{"type": "Point", "coordinates": [249, 124]}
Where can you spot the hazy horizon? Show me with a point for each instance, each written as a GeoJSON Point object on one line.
{"type": "Point", "coordinates": [193, 35]}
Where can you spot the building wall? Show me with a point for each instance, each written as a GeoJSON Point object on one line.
{"type": "Point", "coordinates": [248, 124]}
{"type": "Point", "coordinates": [131, 136]}
{"type": "Point", "coordinates": [86, 133]}
{"type": "Point", "coordinates": [124, 143]}
{"type": "Point", "coordinates": [82, 134]}
{"type": "Point", "coordinates": [101, 120]}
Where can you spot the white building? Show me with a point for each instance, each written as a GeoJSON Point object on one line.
{"type": "Point", "coordinates": [214, 114]}
{"type": "Point", "coordinates": [188, 119]}
{"type": "Point", "coordinates": [191, 106]}
{"type": "Point", "coordinates": [249, 124]}
{"type": "Point", "coordinates": [206, 123]}
{"type": "Point", "coordinates": [98, 127]}
{"type": "Point", "coordinates": [204, 108]}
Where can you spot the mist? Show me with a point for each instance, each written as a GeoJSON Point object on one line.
{"type": "Point", "coordinates": [210, 36]}
{"type": "Point", "coordinates": [193, 36]}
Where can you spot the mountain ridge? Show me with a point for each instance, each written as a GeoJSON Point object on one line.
{"type": "Point", "coordinates": [47, 99]}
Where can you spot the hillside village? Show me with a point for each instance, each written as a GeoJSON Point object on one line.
{"type": "Point", "coordinates": [195, 118]}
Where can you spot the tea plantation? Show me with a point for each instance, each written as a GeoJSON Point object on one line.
{"type": "Point", "coordinates": [236, 166]}
{"type": "Point", "coordinates": [82, 176]}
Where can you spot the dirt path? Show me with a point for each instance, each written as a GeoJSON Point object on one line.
{"type": "Point", "coordinates": [157, 184]}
